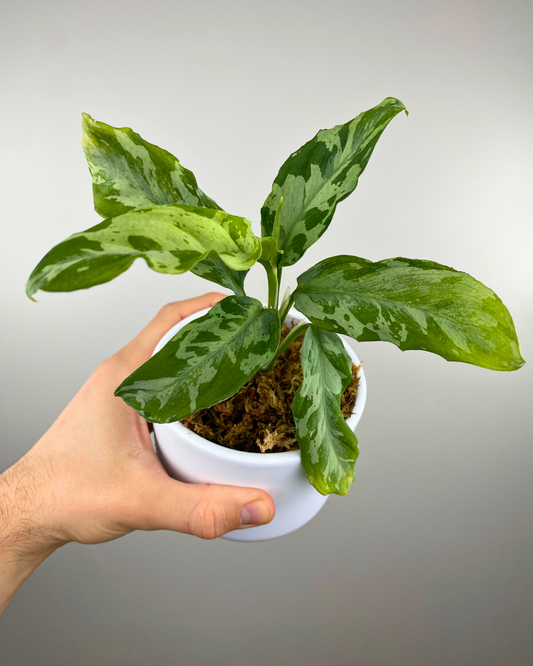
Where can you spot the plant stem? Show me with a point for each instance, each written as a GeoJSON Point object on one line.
{"type": "Point", "coordinates": [289, 338]}
{"type": "Point", "coordinates": [273, 285]}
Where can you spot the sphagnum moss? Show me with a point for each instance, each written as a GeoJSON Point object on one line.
{"type": "Point", "coordinates": [258, 418]}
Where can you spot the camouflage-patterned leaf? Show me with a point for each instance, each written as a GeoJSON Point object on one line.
{"type": "Point", "coordinates": [129, 172]}
{"type": "Point", "coordinates": [415, 305]}
{"type": "Point", "coordinates": [207, 361]}
{"type": "Point", "coordinates": [172, 239]}
{"type": "Point", "coordinates": [321, 174]}
{"type": "Point", "coordinates": [328, 445]}
{"type": "Point", "coordinates": [215, 270]}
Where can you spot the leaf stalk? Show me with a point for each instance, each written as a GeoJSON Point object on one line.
{"type": "Point", "coordinates": [273, 285]}
{"type": "Point", "coordinates": [286, 305]}
{"type": "Point", "coordinates": [291, 336]}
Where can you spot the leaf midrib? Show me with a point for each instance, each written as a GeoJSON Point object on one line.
{"type": "Point", "coordinates": [170, 226]}
{"type": "Point", "coordinates": [210, 355]}
{"type": "Point", "coordinates": [323, 402]}
{"type": "Point", "coordinates": [398, 304]}
{"type": "Point", "coordinates": [113, 160]}
{"type": "Point", "coordinates": [333, 175]}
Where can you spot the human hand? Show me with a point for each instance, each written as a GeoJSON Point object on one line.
{"type": "Point", "coordinates": [94, 476]}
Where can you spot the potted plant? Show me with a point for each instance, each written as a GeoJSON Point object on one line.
{"type": "Point", "coordinates": [154, 209]}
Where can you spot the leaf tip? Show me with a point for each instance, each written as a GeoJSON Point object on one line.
{"type": "Point", "coordinates": [520, 363]}
{"type": "Point", "coordinates": [88, 128]}
{"type": "Point", "coordinates": [30, 291]}
{"type": "Point", "coordinates": [397, 102]}
{"type": "Point", "coordinates": [87, 120]}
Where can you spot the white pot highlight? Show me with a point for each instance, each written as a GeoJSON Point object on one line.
{"type": "Point", "coordinates": [188, 457]}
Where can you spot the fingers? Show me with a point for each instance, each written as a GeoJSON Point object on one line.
{"type": "Point", "coordinates": [206, 511]}
{"type": "Point", "coordinates": [143, 345]}
{"type": "Point", "coordinates": [172, 313]}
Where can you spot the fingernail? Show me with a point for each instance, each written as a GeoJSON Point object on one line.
{"type": "Point", "coordinates": [254, 513]}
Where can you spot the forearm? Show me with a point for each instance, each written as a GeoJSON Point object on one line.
{"type": "Point", "coordinates": [24, 544]}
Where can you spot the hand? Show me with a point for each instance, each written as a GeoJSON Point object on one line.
{"type": "Point", "coordinates": [94, 476]}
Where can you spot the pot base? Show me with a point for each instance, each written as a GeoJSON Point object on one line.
{"type": "Point", "coordinates": [295, 499]}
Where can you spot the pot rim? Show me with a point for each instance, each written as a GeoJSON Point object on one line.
{"type": "Point", "coordinates": [248, 457]}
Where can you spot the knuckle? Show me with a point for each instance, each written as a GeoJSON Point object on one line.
{"type": "Point", "coordinates": [168, 307]}
{"type": "Point", "coordinates": [208, 520]}
{"type": "Point", "coordinates": [110, 365]}
{"type": "Point", "coordinates": [168, 310]}
{"type": "Point", "coordinates": [113, 369]}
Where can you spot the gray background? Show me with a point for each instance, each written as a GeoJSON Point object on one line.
{"type": "Point", "coordinates": [428, 561]}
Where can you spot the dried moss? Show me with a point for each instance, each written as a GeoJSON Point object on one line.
{"type": "Point", "coordinates": [258, 418]}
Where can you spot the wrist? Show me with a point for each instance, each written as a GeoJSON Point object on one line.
{"type": "Point", "coordinates": [24, 540]}
{"type": "Point", "coordinates": [15, 568]}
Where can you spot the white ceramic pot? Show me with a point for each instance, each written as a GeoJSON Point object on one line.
{"type": "Point", "coordinates": [188, 457]}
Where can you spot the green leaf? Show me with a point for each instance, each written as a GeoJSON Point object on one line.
{"type": "Point", "coordinates": [172, 239]}
{"type": "Point", "coordinates": [321, 174]}
{"type": "Point", "coordinates": [207, 361]}
{"type": "Point", "coordinates": [270, 250]}
{"type": "Point", "coordinates": [415, 305]}
{"type": "Point", "coordinates": [129, 173]}
{"type": "Point", "coordinates": [328, 445]}
{"type": "Point", "coordinates": [276, 228]}
{"type": "Point", "coordinates": [215, 270]}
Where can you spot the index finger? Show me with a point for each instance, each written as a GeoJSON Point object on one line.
{"type": "Point", "coordinates": [142, 346]}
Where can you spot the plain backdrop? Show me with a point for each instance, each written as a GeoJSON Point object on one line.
{"type": "Point", "coordinates": [428, 561]}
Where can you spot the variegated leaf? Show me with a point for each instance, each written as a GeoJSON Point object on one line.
{"type": "Point", "coordinates": [328, 445]}
{"type": "Point", "coordinates": [215, 270]}
{"type": "Point", "coordinates": [129, 173]}
{"type": "Point", "coordinates": [321, 174]}
{"type": "Point", "coordinates": [172, 239]}
{"type": "Point", "coordinates": [414, 304]}
{"type": "Point", "coordinates": [207, 361]}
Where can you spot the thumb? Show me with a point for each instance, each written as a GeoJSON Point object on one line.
{"type": "Point", "coordinates": [206, 511]}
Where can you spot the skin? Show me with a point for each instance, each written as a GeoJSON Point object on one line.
{"type": "Point", "coordinates": [94, 477]}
